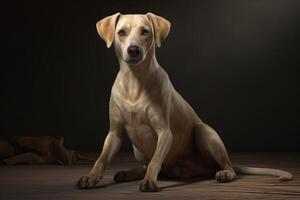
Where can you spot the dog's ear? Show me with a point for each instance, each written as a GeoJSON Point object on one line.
{"type": "Point", "coordinates": [161, 27]}
{"type": "Point", "coordinates": [106, 28]}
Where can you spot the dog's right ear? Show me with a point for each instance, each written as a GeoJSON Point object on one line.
{"type": "Point", "coordinates": [106, 28]}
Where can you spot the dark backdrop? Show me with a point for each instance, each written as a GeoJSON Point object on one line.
{"type": "Point", "coordinates": [235, 62]}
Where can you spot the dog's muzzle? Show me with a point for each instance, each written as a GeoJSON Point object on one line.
{"type": "Point", "coordinates": [134, 54]}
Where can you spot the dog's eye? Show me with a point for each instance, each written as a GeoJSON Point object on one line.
{"type": "Point", "coordinates": [121, 32]}
{"type": "Point", "coordinates": [145, 32]}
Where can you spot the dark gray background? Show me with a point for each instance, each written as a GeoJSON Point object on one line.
{"type": "Point", "coordinates": [235, 62]}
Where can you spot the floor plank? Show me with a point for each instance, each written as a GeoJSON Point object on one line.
{"type": "Point", "coordinates": [57, 182]}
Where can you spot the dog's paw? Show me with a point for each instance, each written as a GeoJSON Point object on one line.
{"type": "Point", "coordinates": [85, 182]}
{"type": "Point", "coordinates": [224, 176]}
{"type": "Point", "coordinates": [120, 176]}
{"type": "Point", "coordinates": [148, 186]}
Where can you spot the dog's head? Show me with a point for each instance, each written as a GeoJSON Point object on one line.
{"type": "Point", "coordinates": [133, 35]}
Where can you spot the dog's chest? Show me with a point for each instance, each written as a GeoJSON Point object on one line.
{"type": "Point", "coordinates": [134, 113]}
{"type": "Point", "coordinates": [137, 126]}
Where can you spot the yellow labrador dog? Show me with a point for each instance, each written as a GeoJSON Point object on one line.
{"type": "Point", "coordinates": [167, 136]}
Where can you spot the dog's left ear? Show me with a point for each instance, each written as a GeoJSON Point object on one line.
{"type": "Point", "coordinates": [161, 27]}
{"type": "Point", "coordinates": [106, 28]}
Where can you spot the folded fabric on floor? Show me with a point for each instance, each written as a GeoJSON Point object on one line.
{"type": "Point", "coordinates": [38, 150]}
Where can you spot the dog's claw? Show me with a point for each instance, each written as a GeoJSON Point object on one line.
{"type": "Point", "coordinates": [87, 182]}
{"type": "Point", "coordinates": [225, 176]}
{"type": "Point", "coordinates": [148, 186]}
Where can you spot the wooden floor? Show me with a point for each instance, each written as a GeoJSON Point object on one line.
{"type": "Point", "coordinates": [57, 182]}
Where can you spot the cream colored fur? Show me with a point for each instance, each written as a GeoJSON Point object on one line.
{"type": "Point", "coordinates": [168, 137]}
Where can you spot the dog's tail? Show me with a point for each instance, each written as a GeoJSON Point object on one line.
{"type": "Point", "coordinates": [282, 175]}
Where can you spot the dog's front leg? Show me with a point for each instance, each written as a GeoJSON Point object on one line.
{"type": "Point", "coordinates": [110, 149]}
{"type": "Point", "coordinates": [149, 184]}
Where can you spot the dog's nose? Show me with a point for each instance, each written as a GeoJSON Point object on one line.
{"type": "Point", "coordinates": [133, 51]}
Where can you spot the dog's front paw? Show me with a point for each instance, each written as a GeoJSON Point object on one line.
{"type": "Point", "coordinates": [225, 176]}
{"type": "Point", "coordinates": [148, 186]}
{"type": "Point", "coordinates": [85, 182]}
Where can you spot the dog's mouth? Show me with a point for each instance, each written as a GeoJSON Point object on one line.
{"type": "Point", "coordinates": [134, 61]}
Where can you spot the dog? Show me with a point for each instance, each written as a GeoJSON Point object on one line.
{"type": "Point", "coordinates": [167, 136]}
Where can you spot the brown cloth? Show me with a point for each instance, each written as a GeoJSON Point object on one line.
{"type": "Point", "coordinates": [38, 150]}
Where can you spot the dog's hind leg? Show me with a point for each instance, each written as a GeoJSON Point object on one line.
{"type": "Point", "coordinates": [188, 169]}
{"type": "Point", "coordinates": [211, 147]}
{"type": "Point", "coordinates": [134, 174]}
